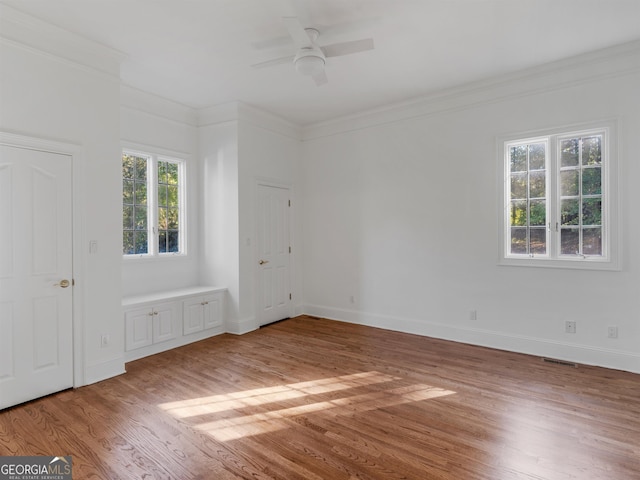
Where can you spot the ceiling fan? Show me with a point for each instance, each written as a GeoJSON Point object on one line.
{"type": "Point", "coordinates": [310, 58]}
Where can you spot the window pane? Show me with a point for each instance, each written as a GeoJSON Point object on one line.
{"type": "Point", "coordinates": [141, 242]}
{"type": "Point", "coordinates": [519, 240]}
{"type": "Point", "coordinates": [141, 193]}
{"type": "Point", "coordinates": [162, 241]}
{"type": "Point", "coordinates": [570, 212]}
{"type": "Point", "coordinates": [518, 156]}
{"type": "Point", "coordinates": [592, 181]}
{"type": "Point", "coordinates": [141, 218]}
{"type": "Point", "coordinates": [569, 241]}
{"type": "Point", "coordinates": [162, 172]}
{"type": "Point", "coordinates": [141, 169]}
{"type": "Point", "coordinates": [162, 218]}
{"type": "Point", "coordinates": [127, 217]}
{"type": "Point", "coordinates": [592, 241]}
{"type": "Point", "coordinates": [173, 241]}
{"type": "Point", "coordinates": [569, 152]}
{"type": "Point", "coordinates": [591, 151]}
{"type": "Point", "coordinates": [536, 156]}
{"type": "Point", "coordinates": [162, 195]}
{"type": "Point", "coordinates": [537, 188]}
{"type": "Point", "coordinates": [172, 195]}
{"type": "Point", "coordinates": [538, 213]}
{"type": "Point", "coordinates": [569, 183]}
{"type": "Point", "coordinates": [127, 166]}
{"type": "Point", "coordinates": [127, 243]}
{"type": "Point", "coordinates": [538, 239]}
{"type": "Point", "coordinates": [519, 185]}
{"type": "Point", "coordinates": [172, 219]}
{"type": "Point", "coordinates": [592, 211]}
{"type": "Point", "coordinates": [172, 173]}
{"type": "Point", "coordinates": [127, 192]}
{"type": "Point", "coordinates": [134, 200]}
{"type": "Point", "coordinates": [518, 214]}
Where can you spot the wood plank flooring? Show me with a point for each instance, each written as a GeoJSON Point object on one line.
{"type": "Point", "coordinates": [309, 398]}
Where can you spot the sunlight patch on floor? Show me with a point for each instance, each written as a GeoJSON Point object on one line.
{"type": "Point", "coordinates": [261, 396]}
{"type": "Point", "coordinates": [234, 427]}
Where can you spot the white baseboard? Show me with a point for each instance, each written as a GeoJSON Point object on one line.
{"type": "Point", "coordinates": [102, 371]}
{"type": "Point", "coordinates": [170, 344]}
{"type": "Point", "coordinates": [584, 354]}
{"type": "Point", "coordinates": [241, 326]}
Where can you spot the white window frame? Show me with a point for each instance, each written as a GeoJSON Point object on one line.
{"type": "Point", "coordinates": [154, 156]}
{"type": "Point", "coordinates": [611, 248]}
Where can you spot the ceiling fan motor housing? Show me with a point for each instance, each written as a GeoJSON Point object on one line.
{"type": "Point", "coordinates": [309, 61]}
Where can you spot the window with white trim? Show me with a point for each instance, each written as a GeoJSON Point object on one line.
{"type": "Point", "coordinates": [559, 199]}
{"type": "Point", "coordinates": [152, 205]}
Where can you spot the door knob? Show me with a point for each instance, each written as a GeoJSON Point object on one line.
{"type": "Point", "coordinates": [63, 283]}
{"type": "Point", "coordinates": [262, 262]}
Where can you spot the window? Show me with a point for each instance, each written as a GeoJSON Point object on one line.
{"type": "Point", "coordinates": [152, 205]}
{"type": "Point", "coordinates": [559, 204]}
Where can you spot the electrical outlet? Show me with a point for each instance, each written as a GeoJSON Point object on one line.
{"type": "Point", "coordinates": [570, 327]}
{"type": "Point", "coordinates": [612, 332]}
{"type": "Point", "coordinates": [473, 315]}
{"type": "Point", "coordinates": [104, 341]}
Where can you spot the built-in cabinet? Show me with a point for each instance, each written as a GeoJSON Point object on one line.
{"type": "Point", "coordinates": [201, 313]}
{"type": "Point", "coordinates": [164, 320]}
{"type": "Point", "coordinates": [150, 324]}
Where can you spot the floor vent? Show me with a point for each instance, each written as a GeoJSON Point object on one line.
{"type": "Point", "coordinates": [560, 362]}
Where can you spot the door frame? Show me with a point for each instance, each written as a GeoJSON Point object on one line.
{"type": "Point", "coordinates": [268, 182]}
{"type": "Point", "coordinates": [76, 153]}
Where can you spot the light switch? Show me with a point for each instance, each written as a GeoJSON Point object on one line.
{"type": "Point", "coordinates": [93, 246]}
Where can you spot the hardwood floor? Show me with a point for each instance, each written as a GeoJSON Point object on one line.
{"type": "Point", "coordinates": [314, 399]}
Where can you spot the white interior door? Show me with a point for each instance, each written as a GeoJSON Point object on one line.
{"type": "Point", "coordinates": [273, 260]}
{"type": "Point", "coordinates": [36, 344]}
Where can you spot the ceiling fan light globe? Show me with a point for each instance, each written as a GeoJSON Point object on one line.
{"type": "Point", "coordinates": [309, 65]}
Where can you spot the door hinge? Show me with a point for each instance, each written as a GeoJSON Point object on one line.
{"type": "Point", "coordinates": [289, 296]}
{"type": "Point", "coordinates": [289, 248]}
{"type": "Point", "coordinates": [289, 202]}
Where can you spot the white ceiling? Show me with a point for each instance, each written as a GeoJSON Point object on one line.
{"type": "Point", "coordinates": [199, 52]}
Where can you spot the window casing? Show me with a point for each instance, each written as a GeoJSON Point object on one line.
{"type": "Point", "coordinates": [560, 199]}
{"type": "Point", "coordinates": [153, 205]}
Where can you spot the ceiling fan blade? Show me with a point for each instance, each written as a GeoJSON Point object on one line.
{"type": "Point", "coordinates": [320, 78]}
{"type": "Point", "coordinates": [296, 30]}
{"type": "Point", "coordinates": [347, 48]}
{"type": "Point", "coordinates": [273, 62]}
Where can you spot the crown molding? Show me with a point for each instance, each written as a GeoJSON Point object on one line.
{"type": "Point", "coordinates": [138, 100]}
{"type": "Point", "coordinates": [22, 30]}
{"type": "Point", "coordinates": [242, 112]}
{"type": "Point", "coordinates": [610, 62]}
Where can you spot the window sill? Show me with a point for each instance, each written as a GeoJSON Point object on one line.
{"type": "Point", "coordinates": [167, 257]}
{"type": "Point", "coordinates": [588, 263]}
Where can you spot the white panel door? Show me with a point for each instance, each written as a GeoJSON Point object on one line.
{"type": "Point", "coordinates": [273, 254]}
{"type": "Point", "coordinates": [36, 345]}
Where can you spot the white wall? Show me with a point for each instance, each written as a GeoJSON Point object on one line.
{"type": "Point", "coordinates": [238, 146]}
{"type": "Point", "coordinates": [159, 126]}
{"type": "Point", "coordinates": [271, 155]}
{"type": "Point", "coordinates": [401, 213]}
{"type": "Point", "coordinates": [44, 95]}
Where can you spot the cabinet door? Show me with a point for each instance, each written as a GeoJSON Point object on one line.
{"type": "Point", "coordinates": [193, 317]}
{"type": "Point", "coordinates": [212, 311]}
{"type": "Point", "coordinates": [165, 324]}
{"type": "Point", "coordinates": [138, 327]}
